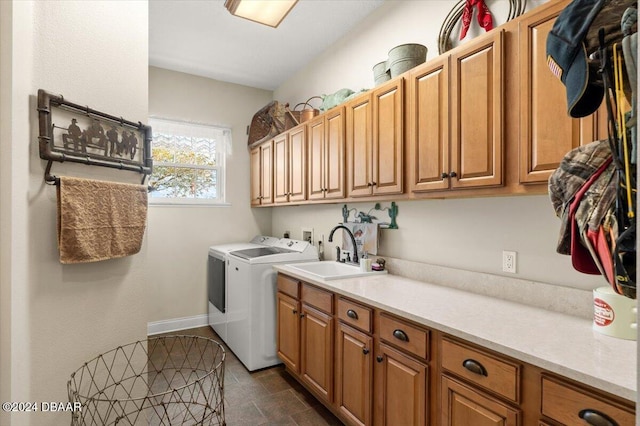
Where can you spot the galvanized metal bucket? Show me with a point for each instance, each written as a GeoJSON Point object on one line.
{"type": "Point", "coordinates": [404, 57]}
{"type": "Point", "coordinates": [381, 73]}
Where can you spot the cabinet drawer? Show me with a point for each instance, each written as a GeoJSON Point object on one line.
{"type": "Point", "coordinates": [288, 285]}
{"type": "Point", "coordinates": [485, 370]}
{"type": "Point", "coordinates": [354, 314]}
{"type": "Point", "coordinates": [405, 336]}
{"type": "Point", "coordinates": [317, 298]}
{"type": "Point", "coordinates": [567, 405]}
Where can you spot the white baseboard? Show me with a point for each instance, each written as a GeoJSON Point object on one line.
{"type": "Point", "coordinates": [175, 324]}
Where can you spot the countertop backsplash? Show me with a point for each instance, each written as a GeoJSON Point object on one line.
{"type": "Point", "coordinates": [566, 300]}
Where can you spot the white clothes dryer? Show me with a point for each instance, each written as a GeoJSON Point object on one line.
{"type": "Point", "coordinates": [217, 278]}
{"type": "Point", "coordinates": [251, 313]}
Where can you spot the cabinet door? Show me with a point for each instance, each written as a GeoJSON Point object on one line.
{"type": "Point", "coordinates": [404, 389]}
{"type": "Point", "coordinates": [316, 347]}
{"type": "Point", "coordinates": [256, 176]}
{"type": "Point", "coordinates": [281, 168]}
{"type": "Point", "coordinates": [316, 160]}
{"type": "Point", "coordinates": [547, 132]}
{"type": "Point", "coordinates": [428, 126]}
{"type": "Point", "coordinates": [464, 406]}
{"type": "Point", "coordinates": [266, 173]}
{"type": "Point", "coordinates": [388, 137]}
{"type": "Point", "coordinates": [359, 146]}
{"type": "Point", "coordinates": [477, 113]}
{"type": "Point", "coordinates": [334, 154]}
{"type": "Point", "coordinates": [354, 374]}
{"type": "Point", "coordinates": [288, 335]}
{"type": "Point", "coordinates": [297, 164]}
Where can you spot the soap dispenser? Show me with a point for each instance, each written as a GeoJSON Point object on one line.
{"type": "Point", "coordinates": [365, 262]}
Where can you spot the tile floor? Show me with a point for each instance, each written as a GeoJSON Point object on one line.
{"type": "Point", "coordinates": [266, 397]}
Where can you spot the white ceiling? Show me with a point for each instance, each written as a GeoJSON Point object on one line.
{"type": "Point", "coordinates": [201, 37]}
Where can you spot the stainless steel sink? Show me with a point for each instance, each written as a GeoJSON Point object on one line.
{"type": "Point", "coordinates": [331, 270]}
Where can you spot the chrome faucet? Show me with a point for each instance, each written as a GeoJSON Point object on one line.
{"type": "Point", "coordinates": [353, 242]}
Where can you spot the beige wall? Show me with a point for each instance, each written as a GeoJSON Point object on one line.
{"type": "Point", "coordinates": [468, 234]}
{"type": "Point", "coordinates": [349, 61]}
{"type": "Point", "coordinates": [179, 236]}
{"type": "Point", "coordinates": [55, 317]}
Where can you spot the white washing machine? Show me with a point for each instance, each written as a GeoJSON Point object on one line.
{"type": "Point", "coordinates": [217, 279]}
{"type": "Point", "coordinates": [251, 312]}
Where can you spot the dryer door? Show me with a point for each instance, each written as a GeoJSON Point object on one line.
{"type": "Point", "coordinates": [216, 282]}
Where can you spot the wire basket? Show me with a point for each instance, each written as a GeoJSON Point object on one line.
{"type": "Point", "coordinates": [173, 380]}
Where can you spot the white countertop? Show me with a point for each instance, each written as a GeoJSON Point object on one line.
{"type": "Point", "coordinates": [559, 343]}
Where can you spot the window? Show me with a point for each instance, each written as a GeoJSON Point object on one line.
{"type": "Point", "coordinates": [188, 162]}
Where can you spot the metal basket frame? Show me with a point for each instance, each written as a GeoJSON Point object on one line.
{"type": "Point", "coordinates": [180, 380]}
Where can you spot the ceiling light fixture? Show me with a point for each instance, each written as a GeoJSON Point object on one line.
{"type": "Point", "coordinates": [267, 12]}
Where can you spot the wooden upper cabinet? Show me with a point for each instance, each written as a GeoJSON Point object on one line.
{"type": "Point", "coordinates": [359, 147]}
{"type": "Point", "coordinates": [477, 92]}
{"type": "Point", "coordinates": [388, 138]}
{"type": "Point", "coordinates": [334, 154]}
{"type": "Point", "coordinates": [262, 174]}
{"type": "Point", "coordinates": [547, 132]}
{"type": "Point", "coordinates": [326, 147]}
{"type": "Point", "coordinates": [298, 164]}
{"type": "Point", "coordinates": [375, 137]}
{"type": "Point", "coordinates": [289, 166]}
{"type": "Point", "coordinates": [315, 180]}
{"type": "Point", "coordinates": [281, 168]}
{"type": "Point", "coordinates": [266, 186]}
{"type": "Point", "coordinates": [256, 175]}
{"type": "Point", "coordinates": [428, 126]}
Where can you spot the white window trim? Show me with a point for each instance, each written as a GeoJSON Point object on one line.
{"type": "Point", "coordinates": [220, 201]}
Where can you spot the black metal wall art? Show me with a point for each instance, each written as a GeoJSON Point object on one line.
{"type": "Point", "coordinates": [79, 134]}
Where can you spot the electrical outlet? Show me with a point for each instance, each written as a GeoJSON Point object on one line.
{"type": "Point", "coordinates": [307, 235]}
{"type": "Point", "coordinates": [509, 259]}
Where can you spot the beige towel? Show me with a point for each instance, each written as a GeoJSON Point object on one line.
{"type": "Point", "coordinates": [99, 220]}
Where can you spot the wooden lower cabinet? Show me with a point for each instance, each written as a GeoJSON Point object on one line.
{"type": "Point", "coordinates": [288, 332]}
{"type": "Point", "coordinates": [568, 405]}
{"type": "Point", "coordinates": [463, 405]}
{"type": "Point", "coordinates": [305, 334]}
{"type": "Point", "coordinates": [371, 367]}
{"type": "Point", "coordinates": [403, 389]}
{"type": "Point", "coordinates": [354, 374]}
{"type": "Point", "coordinates": [316, 347]}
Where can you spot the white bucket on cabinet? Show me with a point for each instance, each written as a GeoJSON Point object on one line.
{"type": "Point", "coordinates": [614, 315]}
